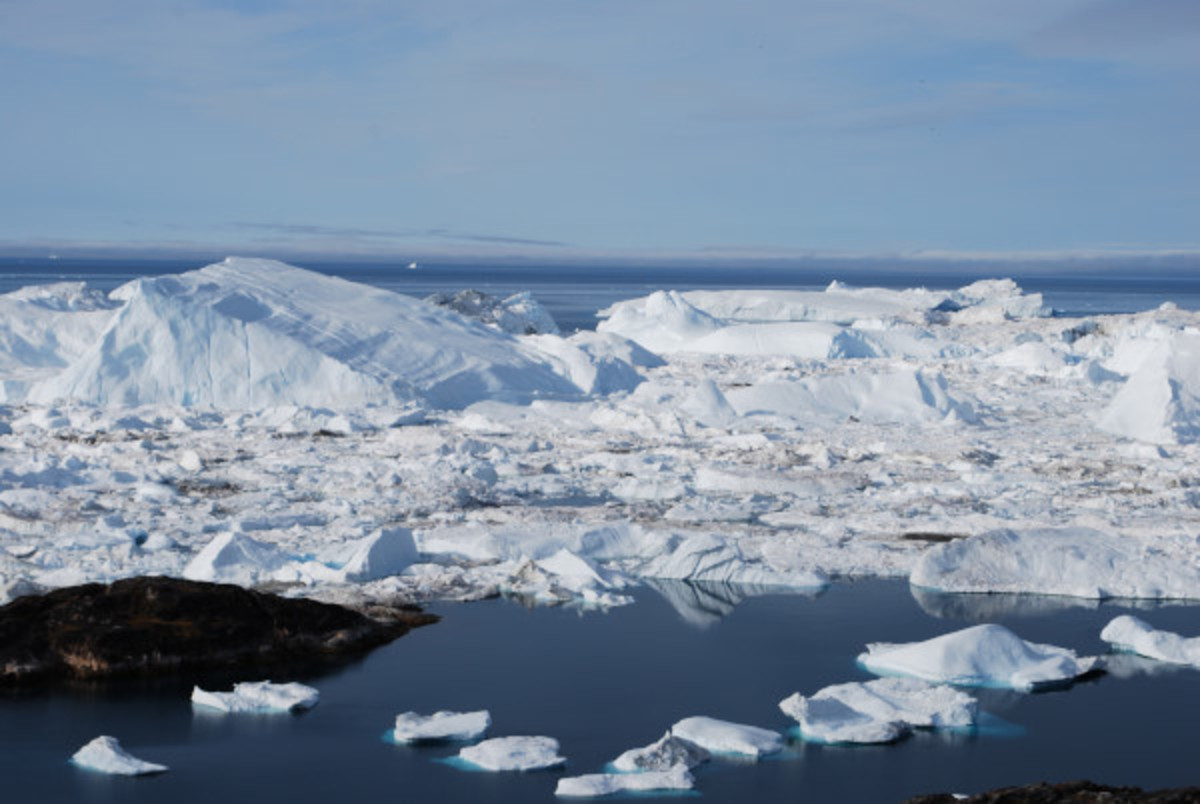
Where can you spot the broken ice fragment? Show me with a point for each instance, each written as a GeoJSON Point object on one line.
{"type": "Point", "coordinates": [449, 726]}
{"type": "Point", "coordinates": [605, 784]}
{"type": "Point", "coordinates": [878, 711]}
{"type": "Point", "coordinates": [513, 754]}
{"type": "Point", "coordinates": [105, 755]}
{"type": "Point", "coordinates": [258, 696]}
{"type": "Point", "coordinates": [723, 737]}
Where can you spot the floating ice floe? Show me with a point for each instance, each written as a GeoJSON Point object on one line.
{"type": "Point", "coordinates": [258, 697]}
{"type": "Point", "coordinates": [513, 754]}
{"type": "Point", "coordinates": [667, 752]}
{"type": "Point", "coordinates": [709, 558]}
{"type": "Point", "coordinates": [105, 755]}
{"type": "Point", "coordinates": [1160, 402]}
{"type": "Point", "coordinates": [1078, 562]}
{"type": "Point", "coordinates": [441, 726]}
{"type": "Point", "coordinates": [606, 784]}
{"type": "Point", "coordinates": [979, 656]}
{"type": "Point", "coordinates": [1128, 633]}
{"type": "Point", "coordinates": [723, 737]}
{"type": "Point", "coordinates": [879, 711]}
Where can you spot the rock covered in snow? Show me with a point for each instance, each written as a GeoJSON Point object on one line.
{"type": "Point", "coordinates": [667, 752]}
{"type": "Point", "coordinates": [879, 711]}
{"type": "Point", "coordinates": [105, 755]}
{"type": "Point", "coordinates": [441, 726]}
{"type": "Point", "coordinates": [606, 784]}
{"type": "Point", "coordinates": [513, 754]}
{"type": "Point", "coordinates": [980, 656]}
{"type": "Point", "coordinates": [518, 314]}
{"type": "Point", "coordinates": [1160, 402]}
{"type": "Point", "coordinates": [1128, 633]}
{"type": "Point", "coordinates": [1078, 562]}
{"type": "Point", "coordinates": [723, 737]}
{"type": "Point", "coordinates": [258, 696]}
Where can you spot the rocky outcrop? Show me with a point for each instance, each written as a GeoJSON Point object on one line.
{"type": "Point", "coordinates": [156, 625]}
{"type": "Point", "coordinates": [1072, 792]}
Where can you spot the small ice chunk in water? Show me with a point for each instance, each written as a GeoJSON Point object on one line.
{"type": "Point", "coordinates": [513, 754]}
{"type": "Point", "coordinates": [105, 754]}
{"type": "Point", "coordinates": [456, 726]}
{"type": "Point", "coordinates": [605, 784]}
{"type": "Point", "coordinates": [258, 696]}
{"type": "Point", "coordinates": [1128, 633]}
{"type": "Point", "coordinates": [878, 711]}
{"type": "Point", "coordinates": [666, 753]}
{"type": "Point", "coordinates": [979, 656]}
{"type": "Point", "coordinates": [723, 737]}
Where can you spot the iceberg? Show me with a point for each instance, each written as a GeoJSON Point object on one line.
{"type": "Point", "coordinates": [441, 726]}
{"type": "Point", "coordinates": [1160, 402]}
{"type": "Point", "coordinates": [387, 551]}
{"type": "Point", "coordinates": [1076, 562]}
{"type": "Point", "coordinates": [709, 558]}
{"type": "Point", "coordinates": [513, 754]}
{"type": "Point", "coordinates": [105, 755]}
{"type": "Point", "coordinates": [723, 737]}
{"type": "Point", "coordinates": [667, 752]}
{"type": "Point", "coordinates": [1130, 634]}
{"type": "Point", "coordinates": [980, 656]}
{"type": "Point", "coordinates": [258, 697]}
{"type": "Point", "coordinates": [606, 784]}
{"type": "Point", "coordinates": [518, 314]}
{"type": "Point", "coordinates": [879, 711]}
{"type": "Point", "coordinates": [235, 558]}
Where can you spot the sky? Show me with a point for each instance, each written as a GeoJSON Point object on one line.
{"type": "Point", "coordinates": [621, 127]}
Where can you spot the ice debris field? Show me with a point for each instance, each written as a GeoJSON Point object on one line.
{"type": "Point", "coordinates": [259, 423]}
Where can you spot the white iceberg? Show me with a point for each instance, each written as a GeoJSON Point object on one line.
{"type": "Point", "coordinates": [879, 711]}
{"type": "Point", "coordinates": [606, 784]}
{"type": "Point", "coordinates": [441, 726]}
{"type": "Point", "coordinates": [665, 753]}
{"type": "Point", "coordinates": [235, 558]}
{"type": "Point", "coordinates": [1128, 633]}
{"type": "Point", "coordinates": [979, 656]}
{"type": "Point", "coordinates": [513, 754]}
{"type": "Point", "coordinates": [723, 737]}
{"type": "Point", "coordinates": [707, 557]}
{"type": "Point", "coordinates": [387, 551]}
{"type": "Point", "coordinates": [1160, 402]}
{"type": "Point", "coordinates": [1077, 562]}
{"type": "Point", "coordinates": [105, 755]}
{"type": "Point", "coordinates": [258, 697]}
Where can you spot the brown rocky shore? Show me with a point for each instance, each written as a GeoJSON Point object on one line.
{"type": "Point", "coordinates": [155, 625]}
{"type": "Point", "coordinates": [1081, 792]}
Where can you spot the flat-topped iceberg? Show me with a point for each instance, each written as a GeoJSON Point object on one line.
{"type": "Point", "coordinates": [723, 737]}
{"type": "Point", "coordinates": [258, 697]}
{"type": "Point", "coordinates": [1077, 562]}
{"type": "Point", "coordinates": [667, 752]}
{"type": "Point", "coordinates": [879, 711]}
{"type": "Point", "coordinates": [1130, 634]}
{"type": "Point", "coordinates": [980, 656]}
{"type": "Point", "coordinates": [105, 755]}
{"type": "Point", "coordinates": [606, 784]}
{"type": "Point", "coordinates": [513, 754]}
{"type": "Point", "coordinates": [441, 726]}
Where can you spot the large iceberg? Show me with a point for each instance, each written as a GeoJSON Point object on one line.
{"type": "Point", "coordinates": [105, 755]}
{"type": "Point", "coordinates": [1078, 562]}
{"type": "Point", "coordinates": [441, 726]}
{"type": "Point", "coordinates": [667, 752]}
{"type": "Point", "coordinates": [1160, 402]}
{"type": "Point", "coordinates": [606, 784]}
{"type": "Point", "coordinates": [879, 711]}
{"type": "Point", "coordinates": [723, 737]}
{"type": "Point", "coordinates": [513, 754]}
{"type": "Point", "coordinates": [1128, 633]}
{"type": "Point", "coordinates": [249, 697]}
{"type": "Point", "coordinates": [980, 656]}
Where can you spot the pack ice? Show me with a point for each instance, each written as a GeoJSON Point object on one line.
{"type": "Point", "coordinates": [105, 755]}
{"type": "Point", "coordinates": [979, 656]}
{"type": "Point", "coordinates": [1131, 634]}
{"type": "Point", "coordinates": [258, 697]}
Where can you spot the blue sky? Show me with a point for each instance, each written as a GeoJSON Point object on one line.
{"type": "Point", "coordinates": [560, 127]}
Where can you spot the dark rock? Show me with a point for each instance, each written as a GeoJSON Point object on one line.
{"type": "Point", "coordinates": [155, 625]}
{"type": "Point", "coordinates": [1074, 792]}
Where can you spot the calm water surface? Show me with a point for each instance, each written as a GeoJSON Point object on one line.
{"type": "Point", "coordinates": [604, 682]}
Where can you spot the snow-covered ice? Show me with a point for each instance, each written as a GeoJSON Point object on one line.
{"type": "Point", "coordinates": [722, 737]}
{"type": "Point", "coordinates": [513, 754]}
{"type": "Point", "coordinates": [1128, 633]}
{"type": "Point", "coordinates": [258, 697]}
{"type": "Point", "coordinates": [979, 656]}
{"type": "Point", "coordinates": [441, 726]}
{"type": "Point", "coordinates": [879, 711]}
{"type": "Point", "coordinates": [105, 755]}
{"type": "Point", "coordinates": [664, 753]}
{"type": "Point", "coordinates": [606, 784]}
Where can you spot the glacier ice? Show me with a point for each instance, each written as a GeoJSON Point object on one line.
{"type": "Point", "coordinates": [105, 755]}
{"type": "Point", "coordinates": [441, 726]}
{"type": "Point", "coordinates": [1160, 401]}
{"type": "Point", "coordinates": [1129, 633]}
{"type": "Point", "coordinates": [878, 711]}
{"type": "Point", "coordinates": [513, 754]}
{"type": "Point", "coordinates": [986, 655]}
{"type": "Point", "coordinates": [723, 737]}
{"type": "Point", "coordinates": [605, 784]}
{"type": "Point", "coordinates": [666, 752]}
{"type": "Point", "coordinates": [258, 697]}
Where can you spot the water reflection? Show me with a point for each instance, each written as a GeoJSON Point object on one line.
{"type": "Point", "coordinates": [705, 603]}
{"type": "Point", "coordinates": [985, 607]}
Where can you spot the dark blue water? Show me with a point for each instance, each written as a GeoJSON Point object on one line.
{"type": "Point", "coordinates": [573, 293]}
{"type": "Point", "coordinates": [602, 683]}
